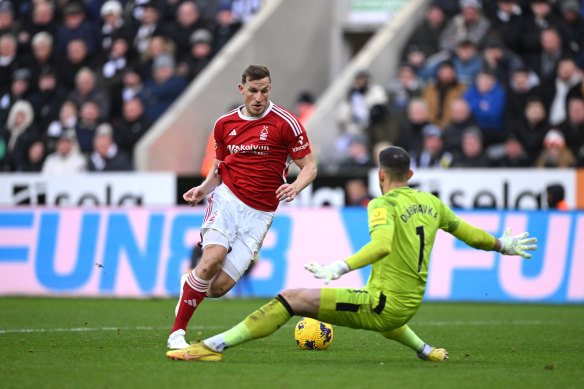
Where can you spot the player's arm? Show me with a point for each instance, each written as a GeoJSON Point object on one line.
{"type": "Point", "coordinates": [307, 174]}
{"type": "Point", "coordinates": [371, 252]}
{"type": "Point", "coordinates": [507, 244]}
{"type": "Point", "coordinates": [198, 193]}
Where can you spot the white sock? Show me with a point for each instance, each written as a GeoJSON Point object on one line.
{"type": "Point", "coordinates": [197, 283]}
{"type": "Point", "coordinates": [424, 351]}
{"type": "Point", "coordinates": [216, 343]}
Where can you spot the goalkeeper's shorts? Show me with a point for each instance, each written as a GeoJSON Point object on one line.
{"type": "Point", "coordinates": [364, 309]}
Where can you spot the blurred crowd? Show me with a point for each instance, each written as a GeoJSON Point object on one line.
{"type": "Point", "coordinates": [82, 80]}
{"type": "Point", "coordinates": [492, 83]}
{"type": "Point", "coordinates": [481, 84]}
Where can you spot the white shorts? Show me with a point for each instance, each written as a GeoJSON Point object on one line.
{"type": "Point", "coordinates": [236, 226]}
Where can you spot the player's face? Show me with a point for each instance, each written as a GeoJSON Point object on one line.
{"type": "Point", "coordinates": [256, 96]}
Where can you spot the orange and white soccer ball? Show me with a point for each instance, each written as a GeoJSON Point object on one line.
{"type": "Point", "coordinates": [312, 334]}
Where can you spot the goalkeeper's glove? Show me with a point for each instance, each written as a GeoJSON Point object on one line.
{"type": "Point", "coordinates": [328, 272]}
{"type": "Point", "coordinates": [517, 245]}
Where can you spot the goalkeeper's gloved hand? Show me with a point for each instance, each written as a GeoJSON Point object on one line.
{"type": "Point", "coordinates": [328, 272]}
{"type": "Point", "coordinates": [517, 245]}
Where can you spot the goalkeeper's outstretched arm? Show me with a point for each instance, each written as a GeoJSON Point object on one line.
{"type": "Point", "coordinates": [506, 244]}
{"type": "Point", "coordinates": [371, 252]}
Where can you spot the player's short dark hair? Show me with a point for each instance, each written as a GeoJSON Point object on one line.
{"type": "Point", "coordinates": [395, 161]}
{"type": "Point", "coordinates": [255, 72]}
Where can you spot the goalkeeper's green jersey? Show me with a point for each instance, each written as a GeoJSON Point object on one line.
{"type": "Point", "coordinates": [411, 220]}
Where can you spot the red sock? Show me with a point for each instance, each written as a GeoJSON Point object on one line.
{"type": "Point", "coordinates": [194, 291]}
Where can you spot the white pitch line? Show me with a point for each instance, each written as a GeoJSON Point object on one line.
{"type": "Point", "coordinates": [150, 328]}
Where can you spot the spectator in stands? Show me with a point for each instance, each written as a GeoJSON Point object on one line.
{"type": "Point", "coordinates": [426, 36]}
{"type": "Point", "coordinates": [75, 26]}
{"type": "Point", "coordinates": [76, 59]}
{"type": "Point", "coordinates": [9, 61]}
{"type": "Point", "coordinates": [555, 154]}
{"type": "Point", "coordinates": [486, 99]}
{"type": "Point", "coordinates": [545, 61]}
{"type": "Point", "coordinates": [533, 128]}
{"type": "Point", "coordinates": [149, 26]}
{"type": "Point", "coordinates": [556, 92]}
{"type": "Point", "coordinates": [523, 85]}
{"type": "Point", "coordinates": [499, 60]}
{"type": "Point", "coordinates": [506, 24]}
{"type": "Point", "coordinates": [41, 56]}
{"type": "Point", "coordinates": [470, 24]}
{"type": "Point", "coordinates": [540, 18]}
{"type": "Point", "coordinates": [432, 154]}
{"type": "Point", "coordinates": [363, 111]}
{"type": "Point", "coordinates": [224, 28]}
{"type": "Point", "coordinates": [114, 67]}
{"type": "Point", "coordinates": [574, 28]}
{"type": "Point", "coordinates": [35, 157]}
{"type": "Point", "coordinates": [415, 58]}
{"type": "Point", "coordinates": [132, 85]}
{"type": "Point", "coordinates": [304, 107]}
{"type": "Point", "coordinates": [439, 96]}
{"type": "Point", "coordinates": [20, 89]}
{"type": "Point", "coordinates": [7, 23]}
{"type": "Point", "coordinates": [401, 91]}
{"type": "Point", "coordinates": [410, 137]}
{"type": "Point", "coordinates": [86, 89]}
{"type": "Point", "coordinates": [467, 62]}
{"type": "Point", "coordinates": [472, 155]}
{"type": "Point", "coordinates": [509, 154]}
{"type": "Point", "coordinates": [462, 120]}
{"type": "Point", "coordinates": [116, 60]}
{"type": "Point", "coordinates": [42, 19]}
{"type": "Point", "coordinates": [87, 125]}
{"type": "Point", "coordinates": [163, 88]}
{"type": "Point", "coordinates": [113, 24]}
{"type": "Point", "coordinates": [556, 197]}
{"type": "Point", "coordinates": [357, 193]}
{"type": "Point", "coordinates": [188, 20]}
{"type": "Point", "coordinates": [199, 55]}
{"type": "Point", "coordinates": [573, 127]}
{"type": "Point", "coordinates": [243, 10]}
{"type": "Point", "coordinates": [106, 156]}
{"type": "Point", "coordinates": [157, 45]}
{"type": "Point", "coordinates": [67, 121]}
{"type": "Point", "coordinates": [47, 99]}
{"type": "Point", "coordinates": [357, 156]}
{"type": "Point", "coordinates": [131, 126]}
{"type": "Point", "coordinates": [66, 159]}
{"type": "Point", "coordinates": [19, 133]}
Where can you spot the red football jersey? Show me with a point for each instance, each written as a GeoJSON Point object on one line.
{"type": "Point", "coordinates": [255, 153]}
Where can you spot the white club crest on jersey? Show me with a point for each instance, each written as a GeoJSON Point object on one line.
{"type": "Point", "coordinates": [232, 132]}
{"type": "Point", "coordinates": [264, 133]}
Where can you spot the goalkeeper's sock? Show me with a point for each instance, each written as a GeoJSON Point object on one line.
{"type": "Point", "coordinates": [405, 336]}
{"type": "Point", "coordinates": [262, 322]}
{"type": "Point", "coordinates": [194, 291]}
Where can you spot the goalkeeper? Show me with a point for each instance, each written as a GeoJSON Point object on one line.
{"type": "Point", "coordinates": [403, 223]}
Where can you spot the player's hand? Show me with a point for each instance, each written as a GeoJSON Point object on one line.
{"type": "Point", "coordinates": [193, 196]}
{"type": "Point", "coordinates": [517, 245]}
{"type": "Point", "coordinates": [328, 273]}
{"type": "Point", "coordinates": [286, 192]}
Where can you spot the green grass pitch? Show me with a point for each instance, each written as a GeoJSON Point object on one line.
{"type": "Point", "coordinates": [109, 343]}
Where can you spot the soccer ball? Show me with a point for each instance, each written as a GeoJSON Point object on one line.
{"type": "Point", "coordinates": [312, 334]}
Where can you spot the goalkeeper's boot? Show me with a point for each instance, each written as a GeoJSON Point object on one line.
{"type": "Point", "coordinates": [176, 340]}
{"type": "Point", "coordinates": [196, 352]}
{"type": "Point", "coordinates": [435, 355]}
{"type": "Point", "coordinates": [183, 279]}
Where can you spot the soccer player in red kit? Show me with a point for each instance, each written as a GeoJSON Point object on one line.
{"type": "Point", "coordinates": [253, 144]}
